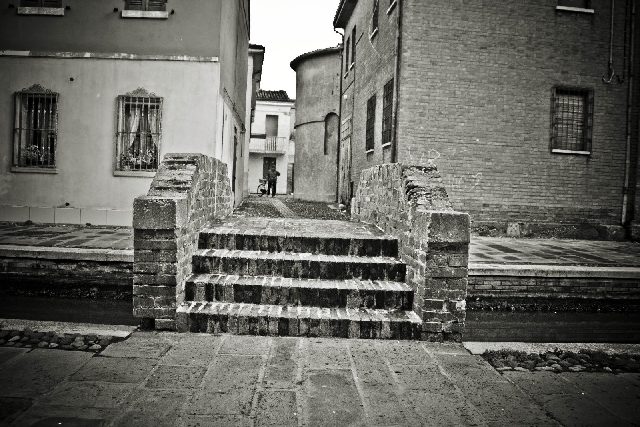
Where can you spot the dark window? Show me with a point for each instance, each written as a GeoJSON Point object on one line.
{"type": "Point", "coordinates": [582, 4]}
{"type": "Point", "coordinates": [353, 45]}
{"type": "Point", "coordinates": [371, 119]}
{"type": "Point", "coordinates": [387, 110]}
{"type": "Point", "coordinates": [572, 119]}
{"type": "Point", "coordinates": [330, 131]}
{"type": "Point", "coordinates": [36, 128]}
{"type": "Point", "coordinates": [374, 17]}
{"type": "Point", "coordinates": [150, 5]}
{"type": "Point", "coordinates": [347, 45]}
{"type": "Point", "coordinates": [41, 3]}
{"type": "Point", "coordinates": [139, 132]}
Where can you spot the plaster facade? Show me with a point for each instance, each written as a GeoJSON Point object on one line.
{"type": "Point", "coordinates": [277, 147]}
{"type": "Point", "coordinates": [203, 86]}
{"type": "Point", "coordinates": [316, 126]}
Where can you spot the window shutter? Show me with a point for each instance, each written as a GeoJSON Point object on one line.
{"type": "Point", "coordinates": [157, 5]}
{"type": "Point", "coordinates": [135, 5]}
{"type": "Point", "coordinates": [588, 134]}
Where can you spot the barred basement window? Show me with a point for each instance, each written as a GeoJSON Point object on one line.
{"type": "Point", "coordinates": [371, 119]}
{"type": "Point", "coordinates": [35, 132]}
{"type": "Point", "coordinates": [148, 5]}
{"type": "Point", "coordinates": [41, 3]}
{"type": "Point", "coordinates": [572, 120]}
{"type": "Point", "coordinates": [387, 110]}
{"type": "Point", "coordinates": [139, 132]}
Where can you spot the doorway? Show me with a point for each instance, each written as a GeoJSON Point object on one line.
{"type": "Point", "coordinates": [267, 162]}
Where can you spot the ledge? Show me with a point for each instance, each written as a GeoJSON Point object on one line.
{"type": "Point", "coordinates": [575, 9]}
{"type": "Point", "coordinates": [105, 55]}
{"type": "Point", "coordinates": [146, 14]}
{"type": "Point", "coordinates": [373, 34]}
{"type": "Point", "coordinates": [370, 151]}
{"type": "Point", "coordinates": [18, 169]}
{"type": "Point", "coordinates": [559, 271]}
{"type": "Point", "coordinates": [579, 153]}
{"type": "Point", "coordinates": [386, 145]}
{"type": "Point", "coordinates": [71, 254]}
{"type": "Point", "coordinates": [46, 11]}
{"type": "Point", "coordinates": [135, 174]}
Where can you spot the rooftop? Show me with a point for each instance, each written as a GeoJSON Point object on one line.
{"type": "Point", "coordinates": [273, 95]}
{"type": "Point", "coordinates": [318, 52]}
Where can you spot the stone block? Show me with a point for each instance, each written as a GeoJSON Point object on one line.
{"type": "Point", "coordinates": [41, 215]}
{"type": "Point", "coordinates": [67, 216]}
{"type": "Point", "coordinates": [153, 213]}
{"type": "Point", "coordinates": [449, 227]}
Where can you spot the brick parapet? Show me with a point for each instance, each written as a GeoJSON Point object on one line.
{"type": "Point", "coordinates": [411, 203]}
{"type": "Point", "coordinates": [188, 192]}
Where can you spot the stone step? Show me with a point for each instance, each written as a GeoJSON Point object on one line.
{"type": "Point", "coordinates": [309, 242]}
{"type": "Point", "coordinates": [297, 265]}
{"type": "Point", "coordinates": [353, 293]}
{"type": "Point", "coordinates": [277, 320]}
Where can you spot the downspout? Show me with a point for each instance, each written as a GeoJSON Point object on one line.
{"type": "Point", "coordinates": [627, 209]}
{"type": "Point", "coordinates": [339, 118]}
{"type": "Point", "coordinates": [394, 145]}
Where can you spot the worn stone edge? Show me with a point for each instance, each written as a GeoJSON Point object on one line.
{"type": "Point", "coordinates": [119, 331]}
{"type": "Point", "coordinates": [74, 254]}
{"type": "Point", "coordinates": [547, 270]}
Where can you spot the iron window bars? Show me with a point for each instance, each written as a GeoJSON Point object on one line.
{"type": "Point", "coordinates": [146, 5]}
{"type": "Point", "coordinates": [139, 132]}
{"type": "Point", "coordinates": [35, 128]}
{"type": "Point", "coordinates": [371, 118]}
{"type": "Point", "coordinates": [571, 119]}
{"type": "Point", "coordinates": [387, 109]}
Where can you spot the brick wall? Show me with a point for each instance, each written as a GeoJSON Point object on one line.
{"type": "Point", "coordinates": [411, 203]}
{"type": "Point", "coordinates": [475, 98]}
{"type": "Point", "coordinates": [374, 66]}
{"type": "Point", "coordinates": [188, 192]}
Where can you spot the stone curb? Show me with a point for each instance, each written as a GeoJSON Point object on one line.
{"type": "Point", "coordinates": [73, 254]}
{"type": "Point", "coordinates": [545, 270]}
{"type": "Point", "coordinates": [118, 331]}
{"type": "Point", "coordinates": [477, 348]}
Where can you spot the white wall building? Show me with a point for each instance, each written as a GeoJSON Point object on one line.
{"type": "Point", "coordinates": [271, 138]}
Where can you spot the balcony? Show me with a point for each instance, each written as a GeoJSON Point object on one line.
{"type": "Point", "coordinates": [268, 145]}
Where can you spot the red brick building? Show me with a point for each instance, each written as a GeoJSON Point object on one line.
{"type": "Point", "coordinates": [529, 109]}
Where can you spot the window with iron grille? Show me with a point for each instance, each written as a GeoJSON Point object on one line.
{"type": "Point", "coordinates": [371, 119]}
{"type": "Point", "coordinates": [374, 17]}
{"type": "Point", "coordinates": [387, 109]}
{"type": "Point", "coordinates": [41, 3]}
{"type": "Point", "coordinates": [35, 133]}
{"type": "Point", "coordinates": [572, 119]}
{"type": "Point", "coordinates": [139, 132]}
{"type": "Point", "coordinates": [148, 5]}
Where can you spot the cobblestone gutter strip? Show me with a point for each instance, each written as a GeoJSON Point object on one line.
{"type": "Point", "coordinates": [79, 254]}
{"type": "Point", "coordinates": [559, 357]}
{"type": "Point", "coordinates": [20, 333]}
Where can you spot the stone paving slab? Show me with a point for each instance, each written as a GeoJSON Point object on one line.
{"type": "Point", "coordinates": [248, 380]}
{"type": "Point", "coordinates": [66, 236]}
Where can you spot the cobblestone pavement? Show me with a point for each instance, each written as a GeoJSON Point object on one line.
{"type": "Point", "coordinates": [66, 236]}
{"type": "Point", "coordinates": [554, 252]}
{"type": "Point", "coordinates": [169, 379]}
{"type": "Point", "coordinates": [482, 249]}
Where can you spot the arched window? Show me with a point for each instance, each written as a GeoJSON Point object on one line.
{"type": "Point", "coordinates": [330, 130]}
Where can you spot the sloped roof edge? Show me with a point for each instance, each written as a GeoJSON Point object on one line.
{"type": "Point", "coordinates": [318, 52]}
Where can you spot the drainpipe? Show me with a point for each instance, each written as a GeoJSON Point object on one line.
{"type": "Point", "coordinates": [627, 209]}
{"type": "Point", "coordinates": [394, 145]}
{"type": "Point", "coordinates": [339, 118]}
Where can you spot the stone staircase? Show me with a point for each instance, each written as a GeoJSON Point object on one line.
{"type": "Point", "coordinates": [293, 277]}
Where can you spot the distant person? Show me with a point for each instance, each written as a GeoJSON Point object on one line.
{"type": "Point", "coordinates": [272, 179]}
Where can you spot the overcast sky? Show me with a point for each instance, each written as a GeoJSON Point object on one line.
{"type": "Point", "coordinates": [288, 28]}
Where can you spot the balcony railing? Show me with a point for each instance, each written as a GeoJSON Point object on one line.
{"type": "Point", "coordinates": [270, 144]}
